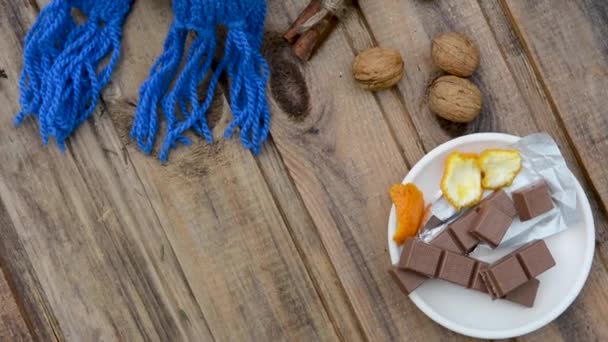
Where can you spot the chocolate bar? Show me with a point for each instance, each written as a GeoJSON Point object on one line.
{"type": "Point", "coordinates": [434, 262]}
{"type": "Point", "coordinates": [517, 268]}
{"type": "Point", "coordinates": [459, 270]}
{"type": "Point", "coordinates": [532, 201]}
{"type": "Point", "coordinates": [491, 225]}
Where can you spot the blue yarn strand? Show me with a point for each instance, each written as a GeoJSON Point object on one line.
{"type": "Point", "coordinates": [248, 74]}
{"type": "Point", "coordinates": [145, 126]}
{"type": "Point", "coordinates": [62, 76]}
{"type": "Point", "coordinates": [186, 89]}
{"type": "Point", "coordinates": [43, 43]}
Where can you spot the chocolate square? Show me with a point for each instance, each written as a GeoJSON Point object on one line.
{"type": "Point", "coordinates": [500, 200]}
{"type": "Point", "coordinates": [406, 280]}
{"type": "Point", "coordinates": [525, 294]}
{"type": "Point", "coordinates": [536, 258]}
{"type": "Point", "coordinates": [460, 230]}
{"type": "Point", "coordinates": [446, 242]}
{"type": "Point", "coordinates": [476, 281]}
{"type": "Point", "coordinates": [504, 277]}
{"type": "Point", "coordinates": [420, 257]}
{"type": "Point", "coordinates": [456, 269]}
{"type": "Point", "coordinates": [491, 225]}
{"type": "Point", "coordinates": [532, 201]}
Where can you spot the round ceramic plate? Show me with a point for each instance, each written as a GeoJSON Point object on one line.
{"type": "Point", "coordinates": [475, 314]}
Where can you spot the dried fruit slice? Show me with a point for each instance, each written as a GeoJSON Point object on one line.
{"type": "Point", "coordinates": [461, 181]}
{"type": "Point", "coordinates": [409, 203]}
{"type": "Point", "coordinates": [499, 167]}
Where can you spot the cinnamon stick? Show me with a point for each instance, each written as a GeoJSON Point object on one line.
{"type": "Point", "coordinates": [305, 44]}
{"type": "Point", "coordinates": [312, 39]}
{"type": "Point", "coordinates": [293, 33]}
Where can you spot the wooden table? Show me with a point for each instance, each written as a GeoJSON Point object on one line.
{"type": "Point", "coordinates": [103, 243]}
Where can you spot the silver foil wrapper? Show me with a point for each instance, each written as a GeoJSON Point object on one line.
{"type": "Point", "coordinates": [541, 159]}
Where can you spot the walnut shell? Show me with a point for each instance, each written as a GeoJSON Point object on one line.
{"type": "Point", "coordinates": [378, 68]}
{"type": "Point", "coordinates": [455, 54]}
{"type": "Point", "coordinates": [455, 99]}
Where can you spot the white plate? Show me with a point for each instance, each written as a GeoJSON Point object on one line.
{"type": "Point", "coordinates": [474, 314]}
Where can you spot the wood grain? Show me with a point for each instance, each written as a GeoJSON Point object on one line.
{"type": "Point", "coordinates": [222, 219]}
{"type": "Point", "coordinates": [571, 57]}
{"type": "Point", "coordinates": [108, 263]}
{"type": "Point", "coordinates": [513, 100]}
{"type": "Point", "coordinates": [12, 325]}
{"type": "Point", "coordinates": [103, 243]}
{"type": "Point", "coordinates": [340, 151]}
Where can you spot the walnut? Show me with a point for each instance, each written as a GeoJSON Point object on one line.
{"type": "Point", "coordinates": [455, 99]}
{"type": "Point", "coordinates": [455, 54]}
{"type": "Point", "coordinates": [378, 68]}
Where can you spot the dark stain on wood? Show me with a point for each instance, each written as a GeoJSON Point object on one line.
{"type": "Point", "coordinates": [287, 82]}
{"type": "Point", "coordinates": [597, 11]}
{"type": "Point", "coordinates": [22, 279]}
{"type": "Point", "coordinates": [192, 163]}
{"type": "Point", "coordinates": [121, 114]}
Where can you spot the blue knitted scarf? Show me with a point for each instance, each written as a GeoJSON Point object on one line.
{"type": "Point", "coordinates": [66, 65]}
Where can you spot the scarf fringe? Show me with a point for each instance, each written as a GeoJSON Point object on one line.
{"type": "Point", "coordinates": [248, 74]}
{"type": "Point", "coordinates": [145, 126]}
{"type": "Point", "coordinates": [61, 79]}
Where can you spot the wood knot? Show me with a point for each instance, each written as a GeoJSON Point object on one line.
{"type": "Point", "coordinates": [287, 83]}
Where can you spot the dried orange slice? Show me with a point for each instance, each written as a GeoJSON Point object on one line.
{"type": "Point", "coordinates": [461, 181]}
{"type": "Point", "coordinates": [409, 203]}
{"type": "Point", "coordinates": [499, 167]}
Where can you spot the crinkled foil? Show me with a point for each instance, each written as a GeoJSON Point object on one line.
{"type": "Point", "coordinates": [541, 159]}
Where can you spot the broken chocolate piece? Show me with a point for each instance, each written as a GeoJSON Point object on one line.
{"type": "Point", "coordinates": [408, 281]}
{"type": "Point", "coordinates": [517, 268]}
{"type": "Point", "coordinates": [532, 201]}
{"type": "Point", "coordinates": [526, 294]}
{"type": "Point", "coordinates": [491, 225]}
{"type": "Point", "coordinates": [476, 281]}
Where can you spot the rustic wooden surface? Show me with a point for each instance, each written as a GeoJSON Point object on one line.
{"type": "Point", "coordinates": [103, 243]}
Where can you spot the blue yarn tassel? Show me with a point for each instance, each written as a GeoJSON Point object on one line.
{"type": "Point", "coordinates": [62, 76]}
{"type": "Point", "coordinates": [145, 126]}
{"type": "Point", "coordinates": [248, 74]}
{"type": "Point", "coordinates": [246, 68]}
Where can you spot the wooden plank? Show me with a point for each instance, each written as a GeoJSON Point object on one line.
{"type": "Point", "coordinates": [94, 231]}
{"type": "Point", "coordinates": [75, 243]}
{"type": "Point", "coordinates": [571, 57]}
{"type": "Point", "coordinates": [512, 104]}
{"type": "Point", "coordinates": [12, 324]}
{"type": "Point", "coordinates": [306, 237]}
{"type": "Point", "coordinates": [541, 108]}
{"type": "Point", "coordinates": [222, 220]}
{"type": "Point", "coordinates": [547, 119]}
{"type": "Point", "coordinates": [337, 146]}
